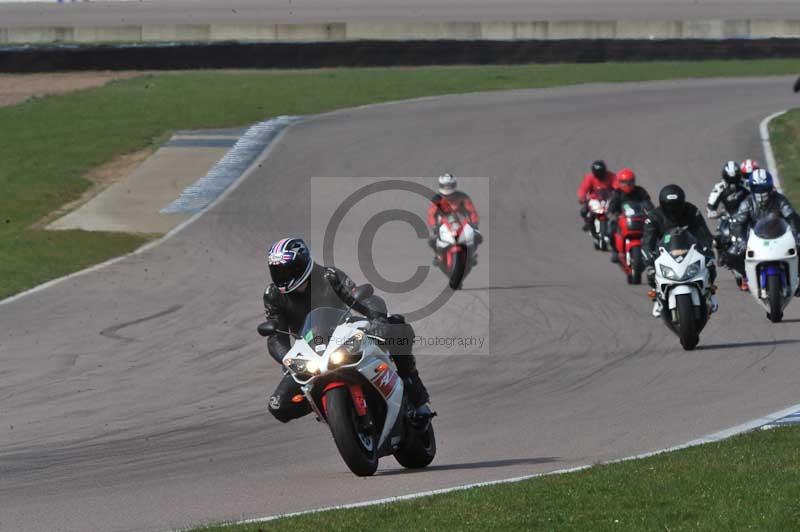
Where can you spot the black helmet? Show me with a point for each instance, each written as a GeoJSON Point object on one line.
{"type": "Point", "coordinates": [672, 200]}
{"type": "Point", "coordinates": [731, 173]}
{"type": "Point", "coordinates": [599, 170]}
{"type": "Point", "coordinates": [290, 263]}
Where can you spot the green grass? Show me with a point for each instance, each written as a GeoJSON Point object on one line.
{"type": "Point", "coordinates": [47, 145]}
{"type": "Point", "coordinates": [749, 482]}
{"type": "Point", "coordinates": [784, 133]}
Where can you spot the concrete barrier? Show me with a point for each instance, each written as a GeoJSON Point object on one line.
{"type": "Point", "coordinates": [262, 55]}
{"type": "Point", "coordinates": [409, 30]}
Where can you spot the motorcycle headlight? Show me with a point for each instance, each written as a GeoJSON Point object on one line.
{"type": "Point", "coordinates": [692, 270]}
{"type": "Point", "coordinates": [669, 273]}
{"type": "Point", "coordinates": [349, 352]}
{"type": "Point", "coordinates": [302, 366]}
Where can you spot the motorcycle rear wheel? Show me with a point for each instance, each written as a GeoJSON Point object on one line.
{"type": "Point", "coordinates": [361, 457]}
{"type": "Point", "coordinates": [687, 325]}
{"type": "Point", "coordinates": [419, 451]}
{"type": "Point", "coordinates": [775, 298]}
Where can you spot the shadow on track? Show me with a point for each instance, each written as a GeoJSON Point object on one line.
{"type": "Point", "coordinates": [473, 465]}
{"type": "Point", "coordinates": [765, 343]}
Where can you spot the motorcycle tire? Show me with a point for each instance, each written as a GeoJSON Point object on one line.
{"type": "Point", "coordinates": [687, 324]}
{"type": "Point", "coordinates": [458, 270]}
{"type": "Point", "coordinates": [361, 458]}
{"type": "Point", "coordinates": [419, 451]}
{"type": "Point", "coordinates": [602, 235]}
{"type": "Point", "coordinates": [775, 298]}
{"type": "Point", "coordinates": [637, 265]}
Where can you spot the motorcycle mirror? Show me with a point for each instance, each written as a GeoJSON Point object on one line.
{"type": "Point", "coordinates": [363, 292]}
{"type": "Point", "coordinates": [267, 328]}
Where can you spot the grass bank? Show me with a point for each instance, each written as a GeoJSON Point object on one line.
{"type": "Point", "coordinates": [47, 145]}
{"type": "Point", "coordinates": [784, 133]}
{"type": "Point", "coordinates": [749, 482]}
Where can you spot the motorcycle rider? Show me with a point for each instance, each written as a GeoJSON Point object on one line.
{"type": "Point", "coordinates": [723, 203]}
{"type": "Point", "coordinates": [627, 191]}
{"type": "Point", "coordinates": [596, 181]}
{"type": "Point", "coordinates": [674, 211]}
{"type": "Point", "coordinates": [764, 200]}
{"type": "Point", "coordinates": [448, 201]}
{"type": "Point", "coordinates": [298, 286]}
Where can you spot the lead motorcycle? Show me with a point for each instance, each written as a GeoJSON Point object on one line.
{"type": "Point", "coordinates": [682, 286]}
{"type": "Point", "coordinates": [771, 265]}
{"type": "Point", "coordinates": [351, 383]}
{"type": "Point", "coordinates": [455, 248]}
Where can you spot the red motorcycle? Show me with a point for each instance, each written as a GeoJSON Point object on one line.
{"type": "Point", "coordinates": [628, 240]}
{"type": "Point", "coordinates": [455, 247]}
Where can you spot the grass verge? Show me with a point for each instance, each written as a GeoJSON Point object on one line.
{"type": "Point", "coordinates": [749, 482]}
{"type": "Point", "coordinates": [48, 144]}
{"type": "Point", "coordinates": [784, 133]}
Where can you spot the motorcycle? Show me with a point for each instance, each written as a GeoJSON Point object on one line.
{"type": "Point", "coordinates": [455, 248]}
{"type": "Point", "coordinates": [771, 265]}
{"type": "Point", "coordinates": [598, 208]}
{"type": "Point", "coordinates": [682, 286]}
{"type": "Point", "coordinates": [722, 242]}
{"type": "Point", "coordinates": [628, 240]}
{"type": "Point", "coordinates": [352, 385]}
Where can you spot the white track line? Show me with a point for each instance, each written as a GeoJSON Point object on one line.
{"type": "Point", "coordinates": [769, 155]}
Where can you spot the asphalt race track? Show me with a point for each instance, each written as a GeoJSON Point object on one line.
{"type": "Point", "coordinates": [313, 11]}
{"type": "Point", "coordinates": [133, 398]}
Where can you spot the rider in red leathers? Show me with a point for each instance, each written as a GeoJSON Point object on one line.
{"type": "Point", "coordinates": [599, 180]}
{"type": "Point", "coordinates": [448, 201]}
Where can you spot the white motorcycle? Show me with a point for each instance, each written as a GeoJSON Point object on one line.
{"type": "Point", "coordinates": [352, 384]}
{"type": "Point", "coordinates": [771, 265]}
{"type": "Point", "coordinates": [455, 248]}
{"type": "Point", "coordinates": [682, 286]}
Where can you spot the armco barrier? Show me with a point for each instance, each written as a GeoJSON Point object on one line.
{"type": "Point", "coordinates": [383, 53]}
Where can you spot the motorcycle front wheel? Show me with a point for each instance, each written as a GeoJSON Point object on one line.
{"type": "Point", "coordinates": [636, 265]}
{"type": "Point", "coordinates": [359, 448]}
{"type": "Point", "coordinates": [458, 269]}
{"type": "Point", "coordinates": [775, 298]}
{"type": "Point", "coordinates": [687, 324]}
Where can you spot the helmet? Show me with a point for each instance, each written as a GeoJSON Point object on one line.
{"type": "Point", "coordinates": [731, 173]}
{"type": "Point", "coordinates": [447, 184]}
{"type": "Point", "coordinates": [748, 166]}
{"type": "Point", "coordinates": [672, 199]}
{"type": "Point", "coordinates": [599, 170]}
{"type": "Point", "coordinates": [761, 186]}
{"type": "Point", "coordinates": [626, 180]}
{"type": "Point", "coordinates": [290, 263]}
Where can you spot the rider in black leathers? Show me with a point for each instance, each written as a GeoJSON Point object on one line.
{"type": "Point", "coordinates": [674, 211]}
{"type": "Point", "coordinates": [306, 286]}
{"type": "Point", "coordinates": [763, 201]}
{"type": "Point", "coordinates": [723, 203]}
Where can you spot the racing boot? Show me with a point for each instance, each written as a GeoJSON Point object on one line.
{"type": "Point", "coordinates": [713, 304]}
{"type": "Point", "coordinates": [586, 226]}
{"type": "Point", "coordinates": [614, 255]}
{"type": "Point", "coordinates": [744, 286]}
{"type": "Point", "coordinates": [657, 306]}
{"type": "Point", "coordinates": [418, 395]}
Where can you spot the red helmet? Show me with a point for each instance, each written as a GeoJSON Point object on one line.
{"type": "Point", "coordinates": [748, 166]}
{"type": "Point", "coordinates": [626, 180]}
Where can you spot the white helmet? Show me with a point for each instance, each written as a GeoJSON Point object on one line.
{"type": "Point", "coordinates": [447, 184]}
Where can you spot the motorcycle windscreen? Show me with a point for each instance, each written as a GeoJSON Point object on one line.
{"type": "Point", "coordinates": [771, 227]}
{"type": "Point", "coordinates": [320, 324]}
{"type": "Point", "coordinates": [678, 242]}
